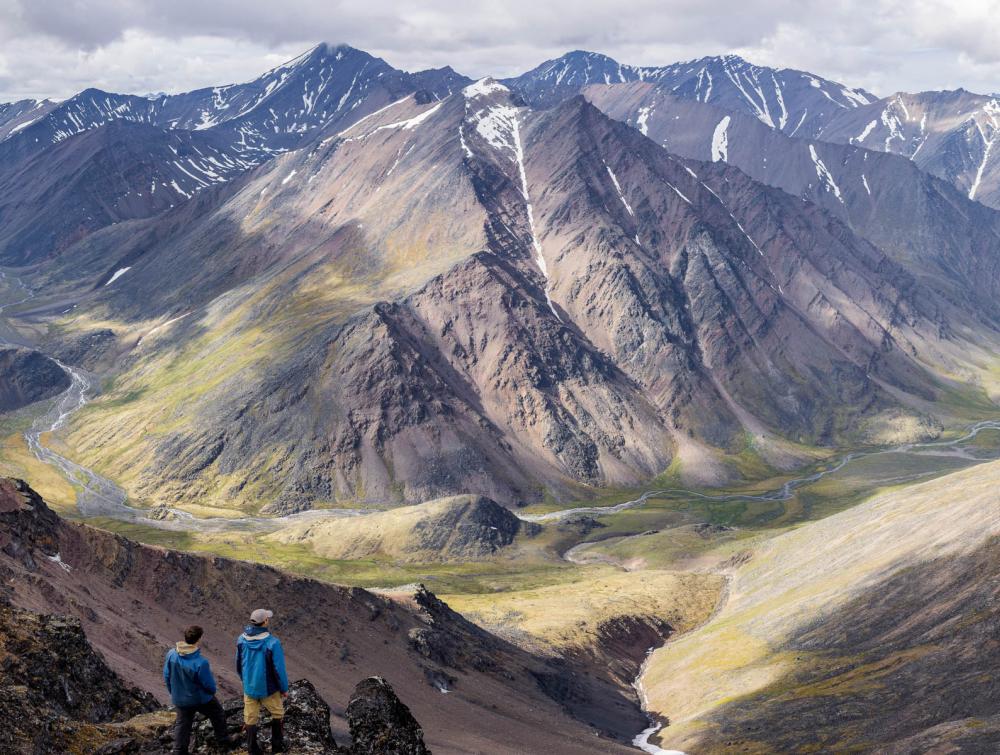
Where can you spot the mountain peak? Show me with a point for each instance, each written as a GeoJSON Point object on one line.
{"type": "Point", "coordinates": [320, 53]}
{"type": "Point", "coordinates": [587, 55]}
{"type": "Point", "coordinates": [485, 86]}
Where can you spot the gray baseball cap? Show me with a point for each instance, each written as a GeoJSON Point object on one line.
{"type": "Point", "coordinates": [261, 615]}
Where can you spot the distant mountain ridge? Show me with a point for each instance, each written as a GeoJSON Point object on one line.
{"type": "Point", "coordinates": [321, 88]}
{"type": "Point", "coordinates": [99, 158]}
{"type": "Point", "coordinates": [794, 102]}
{"type": "Point", "coordinates": [954, 135]}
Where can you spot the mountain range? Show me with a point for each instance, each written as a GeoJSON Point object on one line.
{"type": "Point", "coordinates": [601, 353]}
{"type": "Point", "coordinates": [345, 283]}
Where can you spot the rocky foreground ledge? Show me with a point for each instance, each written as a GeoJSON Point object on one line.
{"type": "Point", "coordinates": [58, 695]}
{"type": "Point", "coordinates": [380, 725]}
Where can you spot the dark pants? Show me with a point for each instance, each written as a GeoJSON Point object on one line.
{"type": "Point", "coordinates": [212, 710]}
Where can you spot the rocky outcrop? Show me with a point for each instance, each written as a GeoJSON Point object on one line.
{"type": "Point", "coordinates": [89, 349]}
{"type": "Point", "coordinates": [459, 528]}
{"type": "Point", "coordinates": [28, 376]}
{"type": "Point", "coordinates": [29, 530]}
{"type": "Point", "coordinates": [58, 695]}
{"type": "Point", "coordinates": [380, 723]}
{"type": "Point", "coordinates": [54, 688]}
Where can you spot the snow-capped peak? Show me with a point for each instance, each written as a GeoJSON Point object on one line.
{"type": "Point", "coordinates": [483, 87]}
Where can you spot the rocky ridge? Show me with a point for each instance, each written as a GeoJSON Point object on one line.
{"type": "Point", "coordinates": [57, 694]}
{"type": "Point", "coordinates": [461, 682]}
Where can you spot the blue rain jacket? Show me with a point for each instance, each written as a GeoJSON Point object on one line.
{"type": "Point", "coordinates": [260, 663]}
{"type": "Point", "coordinates": [188, 676]}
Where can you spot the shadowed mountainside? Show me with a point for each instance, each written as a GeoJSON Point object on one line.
{"type": "Point", "coordinates": [28, 376]}
{"type": "Point", "coordinates": [872, 629]}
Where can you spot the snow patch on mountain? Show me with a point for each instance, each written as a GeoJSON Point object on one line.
{"type": "Point", "coordinates": [720, 141]}
{"type": "Point", "coordinates": [824, 174]}
{"type": "Point", "coordinates": [864, 134]}
{"type": "Point", "coordinates": [618, 188]}
{"type": "Point", "coordinates": [642, 121]}
{"type": "Point", "coordinates": [992, 111]}
{"type": "Point", "coordinates": [483, 87]}
{"type": "Point", "coordinates": [496, 122]}
{"type": "Point", "coordinates": [118, 274]}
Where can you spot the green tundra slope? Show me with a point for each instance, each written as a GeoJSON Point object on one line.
{"type": "Point", "coordinates": [874, 627]}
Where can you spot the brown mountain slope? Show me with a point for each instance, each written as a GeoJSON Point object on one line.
{"type": "Point", "coordinates": [466, 296]}
{"type": "Point", "coordinates": [133, 601]}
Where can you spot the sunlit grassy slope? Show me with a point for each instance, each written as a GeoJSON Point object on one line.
{"type": "Point", "coordinates": [796, 578]}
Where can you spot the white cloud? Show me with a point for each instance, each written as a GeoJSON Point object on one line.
{"type": "Point", "coordinates": [56, 47]}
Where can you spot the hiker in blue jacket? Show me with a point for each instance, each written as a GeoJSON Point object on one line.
{"type": "Point", "coordinates": [191, 685]}
{"type": "Point", "coordinates": [260, 663]}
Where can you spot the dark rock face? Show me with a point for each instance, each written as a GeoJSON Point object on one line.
{"type": "Point", "coordinates": [28, 376]}
{"type": "Point", "coordinates": [52, 683]}
{"type": "Point", "coordinates": [474, 529]}
{"type": "Point", "coordinates": [307, 726]}
{"type": "Point", "coordinates": [380, 723]}
{"type": "Point", "coordinates": [28, 528]}
{"type": "Point", "coordinates": [84, 349]}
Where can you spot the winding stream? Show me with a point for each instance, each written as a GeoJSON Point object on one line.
{"type": "Point", "coordinates": [97, 496]}
{"type": "Point", "coordinates": [782, 493]}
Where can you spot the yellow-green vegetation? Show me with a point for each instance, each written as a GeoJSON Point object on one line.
{"type": "Point", "coordinates": [448, 529]}
{"type": "Point", "coordinates": [797, 577]}
{"type": "Point", "coordinates": [570, 615]}
{"type": "Point", "coordinates": [343, 252]}
{"type": "Point", "coordinates": [17, 460]}
{"type": "Point", "coordinates": [474, 577]}
{"type": "Point", "coordinates": [688, 547]}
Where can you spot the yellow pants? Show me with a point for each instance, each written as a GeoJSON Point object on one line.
{"type": "Point", "coordinates": [252, 706]}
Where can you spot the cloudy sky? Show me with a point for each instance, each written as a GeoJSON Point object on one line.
{"type": "Point", "coordinates": [53, 48]}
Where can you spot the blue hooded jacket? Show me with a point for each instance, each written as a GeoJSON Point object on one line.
{"type": "Point", "coordinates": [188, 676]}
{"type": "Point", "coordinates": [260, 663]}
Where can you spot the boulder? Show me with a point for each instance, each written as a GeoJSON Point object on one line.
{"type": "Point", "coordinates": [380, 723]}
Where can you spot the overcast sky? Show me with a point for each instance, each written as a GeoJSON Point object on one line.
{"type": "Point", "coordinates": [54, 48]}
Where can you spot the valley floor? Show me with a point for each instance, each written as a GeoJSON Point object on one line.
{"type": "Point", "coordinates": [732, 580]}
